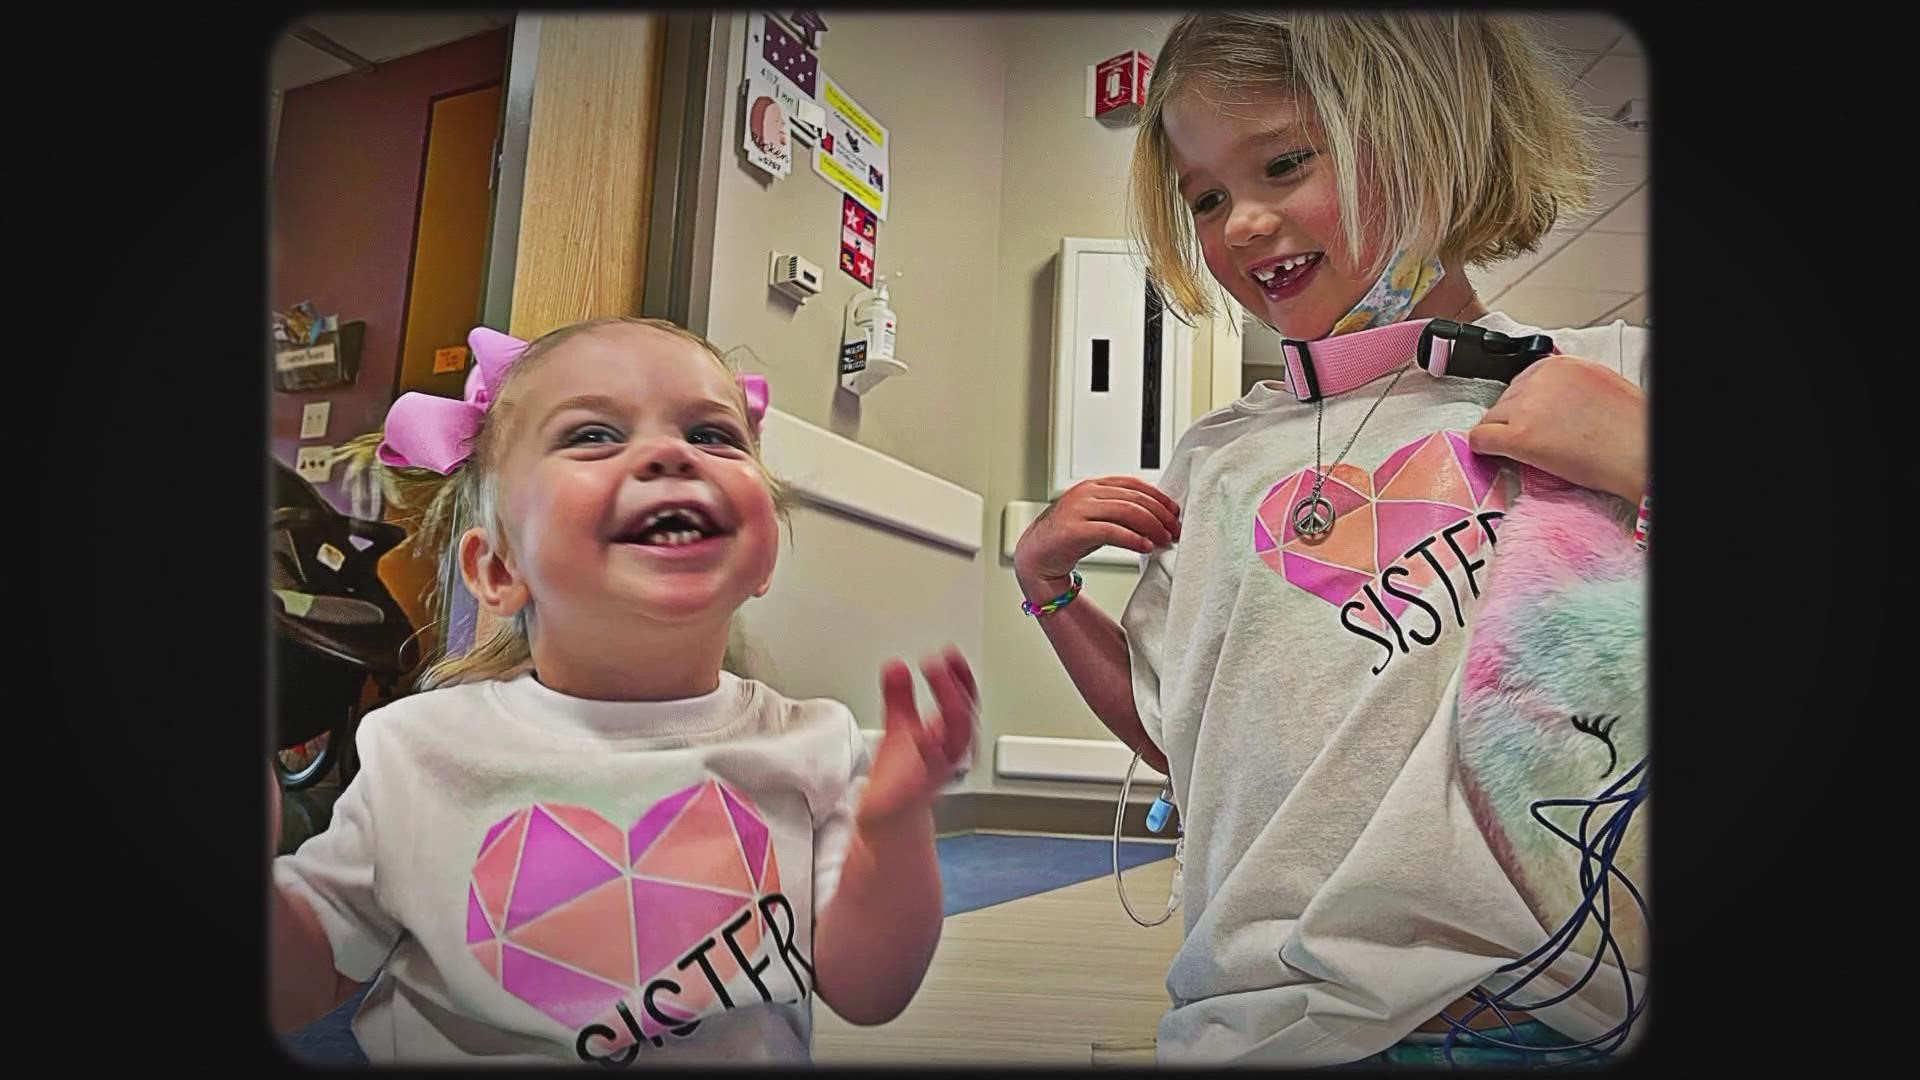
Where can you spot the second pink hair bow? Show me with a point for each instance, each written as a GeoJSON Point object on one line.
{"type": "Point", "coordinates": [426, 431]}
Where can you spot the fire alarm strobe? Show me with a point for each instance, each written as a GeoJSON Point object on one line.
{"type": "Point", "coordinates": [1120, 84]}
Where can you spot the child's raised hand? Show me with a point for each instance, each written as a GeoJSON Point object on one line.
{"type": "Point", "coordinates": [1123, 511]}
{"type": "Point", "coordinates": [1577, 419]}
{"type": "Point", "coordinates": [918, 757]}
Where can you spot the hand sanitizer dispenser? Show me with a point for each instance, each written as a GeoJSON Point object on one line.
{"type": "Point", "coordinates": [867, 340]}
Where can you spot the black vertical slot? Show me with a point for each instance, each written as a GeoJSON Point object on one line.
{"type": "Point", "coordinates": [1100, 365]}
{"type": "Point", "coordinates": [1150, 388]}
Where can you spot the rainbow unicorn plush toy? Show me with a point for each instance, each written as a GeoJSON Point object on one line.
{"type": "Point", "coordinates": [1552, 728]}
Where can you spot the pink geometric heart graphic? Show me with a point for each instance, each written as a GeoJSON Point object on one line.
{"type": "Point", "coordinates": [574, 914]}
{"type": "Point", "coordinates": [1422, 488]}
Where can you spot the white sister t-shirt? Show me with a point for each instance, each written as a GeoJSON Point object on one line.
{"type": "Point", "coordinates": [535, 878]}
{"type": "Point", "coordinates": [1338, 892]}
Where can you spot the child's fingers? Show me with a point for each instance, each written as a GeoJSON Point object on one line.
{"type": "Point", "coordinates": [1146, 489]}
{"type": "Point", "coordinates": [959, 735]}
{"type": "Point", "coordinates": [958, 662]}
{"type": "Point", "coordinates": [1132, 517]}
{"type": "Point", "coordinates": [1107, 534]}
{"type": "Point", "coordinates": [1491, 439]}
{"type": "Point", "coordinates": [933, 737]}
{"type": "Point", "coordinates": [956, 705]}
{"type": "Point", "coordinates": [1169, 519]}
{"type": "Point", "coordinates": [896, 690]}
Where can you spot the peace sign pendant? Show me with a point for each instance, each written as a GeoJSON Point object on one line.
{"type": "Point", "coordinates": [1313, 517]}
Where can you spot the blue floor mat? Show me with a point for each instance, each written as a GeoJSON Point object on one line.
{"type": "Point", "coordinates": [977, 870]}
{"type": "Point", "coordinates": [329, 1040]}
{"type": "Point", "coordinates": [981, 869]}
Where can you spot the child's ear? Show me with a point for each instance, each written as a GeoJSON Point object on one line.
{"type": "Point", "coordinates": [766, 583]}
{"type": "Point", "coordinates": [490, 575]}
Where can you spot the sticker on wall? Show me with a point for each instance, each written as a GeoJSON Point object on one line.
{"type": "Point", "coordinates": [767, 144]}
{"type": "Point", "coordinates": [859, 240]}
{"type": "Point", "coordinates": [853, 357]}
{"type": "Point", "coordinates": [854, 150]}
{"type": "Point", "coordinates": [789, 49]}
{"type": "Point", "coordinates": [450, 359]}
{"type": "Point", "coordinates": [792, 61]}
{"type": "Point", "coordinates": [780, 82]}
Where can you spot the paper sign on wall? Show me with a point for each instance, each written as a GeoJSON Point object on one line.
{"type": "Point", "coordinates": [853, 151]}
{"type": "Point", "coordinates": [859, 241]}
{"type": "Point", "coordinates": [798, 69]}
{"type": "Point", "coordinates": [767, 144]}
{"type": "Point", "coordinates": [789, 60]}
{"type": "Point", "coordinates": [781, 74]}
{"type": "Point", "coordinates": [450, 359]}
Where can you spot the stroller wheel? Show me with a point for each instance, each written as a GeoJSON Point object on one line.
{"type": "Point", "coordinates": [304, 765]}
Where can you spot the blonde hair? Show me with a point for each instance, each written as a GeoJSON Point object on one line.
{"type": "Point", "coordinates": [1470, 143]}
{"type": "Point", "coordinates": [439, 509]}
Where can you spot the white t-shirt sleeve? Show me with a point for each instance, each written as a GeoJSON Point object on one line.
{"type": "Point", "coordinates": [334, 873]}
{"type": "Point", "coordinates": [833, 829]}
{"type": "Point", "coordinates": [1619, 344]}
{"type": "Point", "coordinates": [1634, 342]}
{"type": "Point", "coordinates": [1145, 616]}
{"type": "Point", "coordinates": [1144, 621]}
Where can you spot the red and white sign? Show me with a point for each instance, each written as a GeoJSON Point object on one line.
{"type": "Point", "coordinates": [1120, 83]}
{"type": "Point", "coordinates": [859, 240]}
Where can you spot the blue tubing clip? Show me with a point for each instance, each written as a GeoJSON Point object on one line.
{"type": "Point", "coordinates": [1157, 813]}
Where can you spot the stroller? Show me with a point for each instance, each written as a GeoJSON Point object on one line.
{"type": "Point", "coordinates": [335, 627]}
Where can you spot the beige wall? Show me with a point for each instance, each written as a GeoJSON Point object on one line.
{"type": "Point", "coordinates": [1065, 175]}
{"type": "Point", "coordinates": [938, 84]}
{"type": "Point", "coordinates": [848, 595]}
{"type": "Point", "coordinates": [994, 163]}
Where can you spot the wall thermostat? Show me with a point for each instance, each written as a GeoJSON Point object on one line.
{"type": "Point", "coordinates": [794, 276]}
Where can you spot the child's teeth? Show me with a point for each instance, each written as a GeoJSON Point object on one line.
{"type": "Point", "coordinates": [1266, 276]}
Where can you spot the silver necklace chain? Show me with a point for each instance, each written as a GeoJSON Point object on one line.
{"type": "Point", "coordinates": [1313, 516]}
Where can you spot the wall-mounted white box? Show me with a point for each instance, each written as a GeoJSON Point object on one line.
{"type": "Point", "coordinates": [1122, 368]}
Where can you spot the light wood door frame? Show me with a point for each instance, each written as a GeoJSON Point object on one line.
{"type": "Point", "coordinates": [687, 160]}
{"type": "Point", "coordinates": [679, 251]}
{"type": "Point", "coordinates": [605, 197]}
{"type": "Point", "coordinates": [587, 196]}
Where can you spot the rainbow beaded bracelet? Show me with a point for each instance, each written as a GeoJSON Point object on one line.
{"type": "Point", "coordinates": [1644, 524]}
{"type": "Point", "coordinates": [1028, 607]}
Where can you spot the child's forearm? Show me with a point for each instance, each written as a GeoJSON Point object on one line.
{"type": "Point", "coordinates": [875, 940]}
{"type": "Point", "coordinates": [302, 985]}
{"type": "Point", "coordinates": [1092, 647]}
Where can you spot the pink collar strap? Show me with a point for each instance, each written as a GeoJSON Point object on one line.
{"type": "Point", "coordinates": [1335, 365]}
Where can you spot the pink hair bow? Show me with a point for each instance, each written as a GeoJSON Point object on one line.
{"type": "Point", "coordinates": [426, 431]}
{"type": "Point", "coordinates": [755, 389]}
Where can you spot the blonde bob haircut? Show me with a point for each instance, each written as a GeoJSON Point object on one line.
{"type": "Point", "coordinates": [438, 509]}
{"type": "Point", "coordinates": [1473, 146]}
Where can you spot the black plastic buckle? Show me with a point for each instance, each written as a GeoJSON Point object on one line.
{"type": "Point", "coordinates": [1306, 369]}
{"type": "Point", "coordinates": [1480, 353]}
